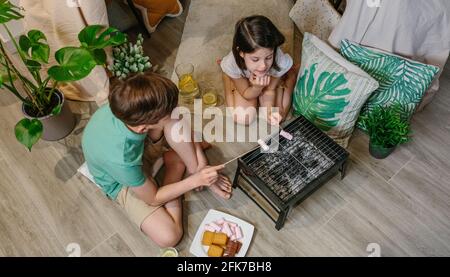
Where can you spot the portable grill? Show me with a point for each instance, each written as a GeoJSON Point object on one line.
{"type": "Point", "coordinates": [278, 181]}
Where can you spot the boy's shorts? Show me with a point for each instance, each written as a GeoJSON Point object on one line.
{"type": "Point", "coordinates": [136, 209]}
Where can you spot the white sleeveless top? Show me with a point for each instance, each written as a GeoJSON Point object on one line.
{"type": "Point", "coordinates": [230, 67]}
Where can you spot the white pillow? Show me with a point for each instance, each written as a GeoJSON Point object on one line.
{"type": "Point", "coordinates": [330, 91]}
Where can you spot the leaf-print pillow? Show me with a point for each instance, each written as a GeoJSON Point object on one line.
{"type": "Point", "coordinates": [402, 81]}
{"type": "Point", "coordinates": [330, 91]}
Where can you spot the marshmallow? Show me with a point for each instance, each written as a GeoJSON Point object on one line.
{"type": "Point", "coordinates": [227, 229]}
{"type": "Point", "coordinates": [238, 231]}
{"type": "Point", "coordinates": [209, 228]}
{"type": "Point", "coordinates": [263, 145]}
{"type": "Point", "coordinates": [232, 224]}
{"type": "Point", "coordinates": [286, 135]}
{"type": "Point", "coordinates": [215, 226]}
{"type": "Point", "coordinates": [220, 221]}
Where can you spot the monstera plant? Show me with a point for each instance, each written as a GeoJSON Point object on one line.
{"type": "Point", "coordinates": [37, 88]}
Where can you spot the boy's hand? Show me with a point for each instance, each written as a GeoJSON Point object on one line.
{"type": "Point", "coordinates": [208, 175]}
{"type": "Point", "coordinates": [256, 81]}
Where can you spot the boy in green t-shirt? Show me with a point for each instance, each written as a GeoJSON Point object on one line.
{"type": "Point", "coordinates": [113, 145]}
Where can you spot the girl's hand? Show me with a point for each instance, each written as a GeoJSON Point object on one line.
{"type": "Point", "coordinates": [263, 81]}
{"type": "Point", "coordinates": [275, 119]}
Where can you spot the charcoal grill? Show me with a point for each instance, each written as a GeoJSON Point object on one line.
{"type": "Point", "coordinates": [279, 181]}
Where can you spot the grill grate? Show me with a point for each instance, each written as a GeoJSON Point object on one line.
{"type": "Point", "coordinates": [286, 176]}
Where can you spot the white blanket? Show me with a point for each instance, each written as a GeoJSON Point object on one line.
{"type": "Point", "coordinates": [61, 21]}
{"type": "Point", "coordinates": [417, 29]}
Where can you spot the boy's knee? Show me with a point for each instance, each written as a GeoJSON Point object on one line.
{"type": "Point", "coordinates": [171, 238]}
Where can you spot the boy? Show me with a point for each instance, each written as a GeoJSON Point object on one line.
{"type": "Point", "coordinates": [113, 145]}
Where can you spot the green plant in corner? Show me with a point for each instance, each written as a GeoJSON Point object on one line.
{"type": "Point", "coordinates": [387, 128]}
{"type": "Point", "coordinates": [39, 90]}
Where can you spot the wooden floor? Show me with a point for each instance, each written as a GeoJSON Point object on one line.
{"type": "Point", "coordinates": [401, 203]}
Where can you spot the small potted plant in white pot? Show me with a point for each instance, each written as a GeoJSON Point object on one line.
{"type": "Point", "coordinates": [46, 115]}
{"type": "Point", "coordinates": [387, 129]}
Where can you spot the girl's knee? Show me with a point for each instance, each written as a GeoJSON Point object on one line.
{"type": "Point", "coordinates": [245, 116]}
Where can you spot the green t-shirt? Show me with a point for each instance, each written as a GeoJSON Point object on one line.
{"type": "Point", "coordinates": [113, 152]}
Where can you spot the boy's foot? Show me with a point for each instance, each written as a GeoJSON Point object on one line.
{"type": "Point", "coordinates": [204, 145]}
{"type": "Point", "coordinates": [222, 187]}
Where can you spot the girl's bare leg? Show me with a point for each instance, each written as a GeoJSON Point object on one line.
{"type": "Point", "coordinates": [245, 110]}
{"type": "Point", "coordinates": [284, 100]}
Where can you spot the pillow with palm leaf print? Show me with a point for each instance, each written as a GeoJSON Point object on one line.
{"type": "Point", "coordinates": [403, 82]}
{"type": "Point", "coordinates": [330, 91]}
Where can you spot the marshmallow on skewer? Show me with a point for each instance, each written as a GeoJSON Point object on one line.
{"type": "Point", "coordinates": [263, 145]}
{"type": "Point", "coordinates": [286, 135]}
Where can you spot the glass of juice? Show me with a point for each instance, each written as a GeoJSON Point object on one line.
{"type": "Point", "coordinates": [186, 83]}
{"type": "Point", "coordinates": [209, 97]}
{"type": "Point", "coordinates": [168, 252]}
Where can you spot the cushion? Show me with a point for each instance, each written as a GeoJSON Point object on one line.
{"type": "Point", "coordinates": [330, 91]}
{"type": "Point", "coordinates": [153, 11]}
{"type": "Point", "coordinates": [317, 17]}
{"type": "Point", "coordinates": [402, 81]}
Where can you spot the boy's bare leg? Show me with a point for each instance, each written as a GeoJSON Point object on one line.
{"type": "Point", "coordinates": [184, 147]}
{"type": "Point", "coordinates": [165, 225]}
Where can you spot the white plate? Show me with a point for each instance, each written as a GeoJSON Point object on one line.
{"type": "Point", "coordinates": [199, 250]}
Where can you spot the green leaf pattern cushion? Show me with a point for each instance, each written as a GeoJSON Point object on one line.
{"type": "Point", "coordinates": [330, 91]}
{"type": "Point", "coordinates": [402, 81]}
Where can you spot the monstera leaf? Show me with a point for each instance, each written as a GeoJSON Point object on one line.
{"type": "Point", "coordinates": [8, 12]}
{"type": "Point", "coordinates": [74, 64]}
{"type": "Point", "coordinates": [35, 46]}
{"type": "Point", "coordinates": [321, 100]}
{"type": "Point", "coordinates": [28, 132]}
{"type": "Point", "coordinates": [95, 38]}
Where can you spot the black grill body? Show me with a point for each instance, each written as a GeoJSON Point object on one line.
{"type": "Point", "coordinates": [278, 181]}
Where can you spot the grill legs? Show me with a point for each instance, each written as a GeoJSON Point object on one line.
{"type": "Point", "coordinates": [281, 219]}
{"type": "Point", "coordinates": [343, 169]}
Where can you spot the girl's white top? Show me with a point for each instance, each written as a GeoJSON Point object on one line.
{"type": "Point", "coordinates": [230, 67]}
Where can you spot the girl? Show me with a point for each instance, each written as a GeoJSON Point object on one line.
{"type": "Point", "coordinates": [257, 71]}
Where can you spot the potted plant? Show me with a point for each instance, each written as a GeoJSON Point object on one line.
{"type": "Point", "coordinates": [387, 129]}
{"type": "Point", "coordinates": [46, 115]}
{"type": "Point", "coordinates": [129, 58]}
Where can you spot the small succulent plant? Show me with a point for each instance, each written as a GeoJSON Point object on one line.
{"type": "Point", "coordinates": [129, 58]}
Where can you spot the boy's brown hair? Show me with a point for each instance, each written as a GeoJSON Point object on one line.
{"type": "Point", "coordinates": [143, 98]}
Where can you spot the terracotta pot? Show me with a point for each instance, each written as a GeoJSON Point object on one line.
{"type": "Point", "coordinates": [59, 126]}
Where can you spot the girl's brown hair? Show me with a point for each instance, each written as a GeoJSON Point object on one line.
{"type": "Point", "coordinates": [143, 98]}
{"type": "Point", "coordinates": [255, 32]}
